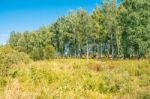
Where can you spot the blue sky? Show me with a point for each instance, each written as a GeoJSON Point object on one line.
{"type": "Point", "coordinates": [21, 15]}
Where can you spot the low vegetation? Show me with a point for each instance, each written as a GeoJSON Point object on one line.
{"type": "Point", "coordinates": [78, 78]}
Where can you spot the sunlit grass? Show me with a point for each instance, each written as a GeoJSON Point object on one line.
{"type": "Point", "coordinates": [78, 78]}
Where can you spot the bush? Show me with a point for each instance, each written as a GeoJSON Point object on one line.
{"type": "Point", "coordinates": [143, 94]}
{"type": "Point", "coordinates": [49, 52]}
{"type": "Point", "coordinates": [148, 54]}
{"type": "Point", "coordinates": [8, 57]}
{"type": "Point", "coordinates": [15, 58]}
{"type": "Point", "coordinates": [42, 53]}
{"type": "Point", "coordinates": [2, 81]}
{"type": "Point", "coordinates": [36, 54]}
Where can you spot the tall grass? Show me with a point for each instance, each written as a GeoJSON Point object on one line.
{"type": "Point", "coordinates": [78, 78]}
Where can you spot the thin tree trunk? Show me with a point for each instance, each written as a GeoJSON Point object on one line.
{"type": "Point", "coordinates": [87, 50]}
{"type": "Point", "coordinates": [79, 51]}
{"type": "Point", "coordinates": [112, 47]}
{"type": "Point", "coordinates": [101, 53]}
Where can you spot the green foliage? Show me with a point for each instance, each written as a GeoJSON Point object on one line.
{"type": "Point", "coordinates": [2, 81]}
{"type": "Point", "coordinates": [14, 57]}
{"type": "Point", "coordinates": [13, 39]}
{"type": "Point", "coordinates": [45, 53]}
{"type": "Point", "coordinates": [111, 30]}
{"type": "Point", "coordinates": [32, 43]}
{"type": "Point", "coordinates": [148, 54]}
{"type": "Point", "coordinates": [9, 57]}
{"type": "Point", "coordinates": [36, 54]}
{"type": "Point", "coordinates": [135, 22]}
{"type": "Point", "coordinates": [49, 52]}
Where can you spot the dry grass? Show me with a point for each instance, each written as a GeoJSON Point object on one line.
{"type": "Point", "coordinates": [79, 78]}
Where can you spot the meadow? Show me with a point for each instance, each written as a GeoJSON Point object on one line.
{"type": "Point", "coordinates": [77, 79]}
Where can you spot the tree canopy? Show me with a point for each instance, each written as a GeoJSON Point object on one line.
{"type": "Point", "coordinates": [111, 30]}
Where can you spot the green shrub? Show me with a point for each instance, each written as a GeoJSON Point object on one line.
{"type": "Point", "coordinates": [49, 52]}
{"type": "Point", "coordinates": [8, 57]}
{"type": "Point", "coordinates": [15, 72]}
{"type": "Point", "coordinates": [2, 81]}
{"type": "Point", "coordinates": [36, 54]}
{"type": "Point", "coordinates": [148, 54]}
{"type": "Point", "coordinates": [143, 94]}
{"type": "Point", "coordinates": [15, 58]}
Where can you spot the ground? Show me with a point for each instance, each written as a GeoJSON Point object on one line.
{"type": "Point", "coordinates": [78, 78]}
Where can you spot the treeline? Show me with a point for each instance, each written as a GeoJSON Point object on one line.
{"type": "Point", "coordinates": [111, 30]}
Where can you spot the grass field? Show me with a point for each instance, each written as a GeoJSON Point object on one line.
{"type": "Point", "coordinates": [78, 79]}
